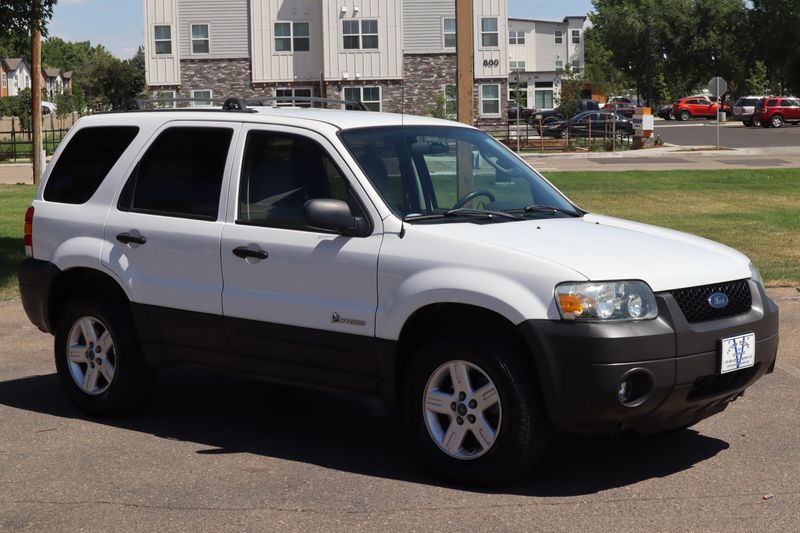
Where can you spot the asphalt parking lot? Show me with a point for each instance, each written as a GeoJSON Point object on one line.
{"type": "Point", "coordinates": [702, 132]}
{"type": "Point", "coordinates": [214, 452]}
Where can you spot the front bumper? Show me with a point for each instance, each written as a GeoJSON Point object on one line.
{"type": "Point", "coordinates": [581, 365]}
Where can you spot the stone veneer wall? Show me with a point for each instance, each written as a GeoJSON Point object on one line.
{"type": "Point", "coordinates": [425, 76]}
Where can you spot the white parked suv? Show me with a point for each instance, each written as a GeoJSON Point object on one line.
{"type": "Point", "coordinates": [410, 258]}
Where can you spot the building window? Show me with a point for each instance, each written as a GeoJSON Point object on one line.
{"type": "Point", "coordinates": [559, 37]}
{"type": "Point", "coordinates": [450, 100]}
{"type": "Point", "coordinates": [168, 97]}
{"type": "Point", "coordinates": [370, 96]}
{"type": "Point", "coordinates": [163, 39]}
{"type": "Point", "coordinates": [286, 95]}
{"type": "Point", "coordinates": [292, 37]}
{"type": "Point", "coordinates": [516, 37]}
{"type": "Point", "coordinates": [559, 65]}
{"type": "Point", "coordinates": [360, 35]}
{"type": "Point", "coordinates": [576, 66]}
{"type": "Point", "coordinates": [200, 39]}
{"type": "Point", "coordinates": [449, 32]}
{"type": "Point", "coordinates": [516, 66]}
{"type": "Point", "coordinates": [543, 95]}
{"type": "Point", "coordinates": [202, 98]}
{"type": "Point", "coordinates": [4, 78]}
{"type": "Point", "coordinates": [489, 37]}
{"type": "Point", "coordinates": [490, 99]}
{"type": "Point", "coordinates": [576, 36]}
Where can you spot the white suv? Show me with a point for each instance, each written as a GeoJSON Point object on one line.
{"type": "Point", "coordinates": [411, 258]}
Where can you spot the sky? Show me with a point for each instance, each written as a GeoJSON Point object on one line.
{"type": "Point", "coordinates": [118, 24]}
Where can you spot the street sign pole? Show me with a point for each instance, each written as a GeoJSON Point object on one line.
{"type": "Point", "coordinates": [718, 106]}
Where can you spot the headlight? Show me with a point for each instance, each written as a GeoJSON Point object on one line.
{"type": "Point", "coordinates": [755, 275]}
{"type": "Point", "coordinates": [607, 300]}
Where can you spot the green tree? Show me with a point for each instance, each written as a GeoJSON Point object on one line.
{"type": "Point", "coordinates": [111, 82]}
{"type": "Point", "coordinates": [683, 43]}
{"type": "Point", "coordinates": [778, 41]}
{"type": "Point", "coordinates": [19, 17]}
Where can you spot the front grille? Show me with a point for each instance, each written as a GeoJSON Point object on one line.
{"type": "Point", "coordinates": [693, 301]}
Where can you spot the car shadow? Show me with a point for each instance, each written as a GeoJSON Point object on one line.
{"type": "Point", "coordinates": [228, 414]}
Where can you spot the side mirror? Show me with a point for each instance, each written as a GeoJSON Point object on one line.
{"type": "Point", "coordinates": [328, 214]}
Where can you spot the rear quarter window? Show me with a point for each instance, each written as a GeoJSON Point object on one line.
{"type": "Point", "coordinates": [772, 103]}
{"type": "Point", "coordinates": [86, 161]}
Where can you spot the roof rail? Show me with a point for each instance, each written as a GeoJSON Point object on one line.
{"type": "Point", "coordinates": [242, 104]}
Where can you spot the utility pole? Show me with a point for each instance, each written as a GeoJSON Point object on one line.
{"type": "Point", "coordinates": [36, 92]}
{"type": "Point", "coordinates": [465, 63]}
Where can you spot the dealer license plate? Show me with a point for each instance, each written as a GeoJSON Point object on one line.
{"type": "Point", "coordinates": [738, 352]}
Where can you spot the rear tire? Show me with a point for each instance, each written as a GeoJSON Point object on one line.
{"type": "Point", "coordinates": [776, 121]}
{"type": "Point", "coordinates": [98, 358]}
{"type": "Point", "coordinates": [469, 436]}
{"type": "Point", "coordinates": [685, 115]}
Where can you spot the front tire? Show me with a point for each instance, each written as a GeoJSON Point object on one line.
{"type": "Point", "coordinates": [473, 411]}
{"type": "Point", "coordinates": [98, 358]}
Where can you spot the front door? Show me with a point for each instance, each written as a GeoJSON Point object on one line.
{"type": "Point", "coordinates": [301, 299]}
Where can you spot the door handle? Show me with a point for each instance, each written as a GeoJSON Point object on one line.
{"type": "Point", "coordinates": [127, 238]}
{"type": "Point", "coordinates": [244, 252]}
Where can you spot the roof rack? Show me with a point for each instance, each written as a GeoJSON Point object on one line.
{"type": "Point", "coordinates": [241, 104]}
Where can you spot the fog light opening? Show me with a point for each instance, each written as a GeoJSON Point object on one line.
{"type": "Point", "coordinates": [635, 387]}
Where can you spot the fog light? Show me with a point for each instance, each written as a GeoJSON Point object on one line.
{"type": "Point", "coordinates": [635, 387]}
{"type": "Point", "coordinates": [622, 393]}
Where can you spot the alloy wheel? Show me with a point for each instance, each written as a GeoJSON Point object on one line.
{"type": "Point", "coordinates": [91, 356]}
{"type": "Point", "coordinates": [462, 409]}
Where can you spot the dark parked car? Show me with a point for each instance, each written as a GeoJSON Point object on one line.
{"type": "Point", "coordinates": [599, 123]}
{"type": "Point", "coordinates": [552, 115]}
{"type": "Point", "coordinates": [513, 108]}
{"type": "Point", "coordinates": [665, 111]}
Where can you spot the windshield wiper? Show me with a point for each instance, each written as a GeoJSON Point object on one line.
{"type": "Point", "coordinates": [464, 212]}
{"type": "Point", "coordinates": [540, 208]}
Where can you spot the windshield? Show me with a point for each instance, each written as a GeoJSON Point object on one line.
{"type": "Point", "coordinates": [431, 170]}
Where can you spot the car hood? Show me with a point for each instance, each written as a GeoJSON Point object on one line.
{"type": "Point", "coordinates": [598, 248]}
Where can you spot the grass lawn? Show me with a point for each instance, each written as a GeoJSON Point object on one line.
{"type": "Point", "coordinates": [14, 201]}
{"type": "Point", "coordinates": [755, 211]}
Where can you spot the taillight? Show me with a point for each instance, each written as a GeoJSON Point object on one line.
{"type": "Point", "coordinates": [29, 232]}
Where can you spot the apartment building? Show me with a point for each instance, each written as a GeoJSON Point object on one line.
{"type": "Point", "coordinates": [394, 55]}
{"type": "Point", "coordinates": [538, 52]}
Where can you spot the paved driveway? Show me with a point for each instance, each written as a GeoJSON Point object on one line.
{"type": "Point", "coordinates": [219, 452]}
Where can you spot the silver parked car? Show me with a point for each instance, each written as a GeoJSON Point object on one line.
{"type": "Point", "coordinates": [743, 110]}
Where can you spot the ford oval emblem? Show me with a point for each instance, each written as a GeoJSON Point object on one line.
{"type": "Point", "coordinates": [718, 300]}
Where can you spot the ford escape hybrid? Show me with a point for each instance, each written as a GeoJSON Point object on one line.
{"type": "Point", "coordinates": [405, 257]}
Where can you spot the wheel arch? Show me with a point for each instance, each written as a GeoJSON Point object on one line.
{"type": "Point", "coordinates": [74, 282]}
{"type": "Point", "coordinates": [448, 321]}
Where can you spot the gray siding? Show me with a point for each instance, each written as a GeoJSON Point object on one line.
{"type": "Point", "coordinates": [422, 25]}
{"type": "Point", "coordinates": [229, 27]}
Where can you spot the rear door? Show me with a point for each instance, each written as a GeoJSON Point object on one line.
{"type": "Point", "coordinates": [162, 236]}
{"type": "Point", "coordinates": [792, 109]}
{"type": "Point", "coordinates": [301, 300]}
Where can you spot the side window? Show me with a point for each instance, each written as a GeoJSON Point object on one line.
{"type": "Point", "coordinates": [772, 103]}
{"type": "Point", "coordinates": [280, 173]}
{"type": "Point", "coordinates": [180, 175]}
{"type": "Point", "coordinates": [85, 162]}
